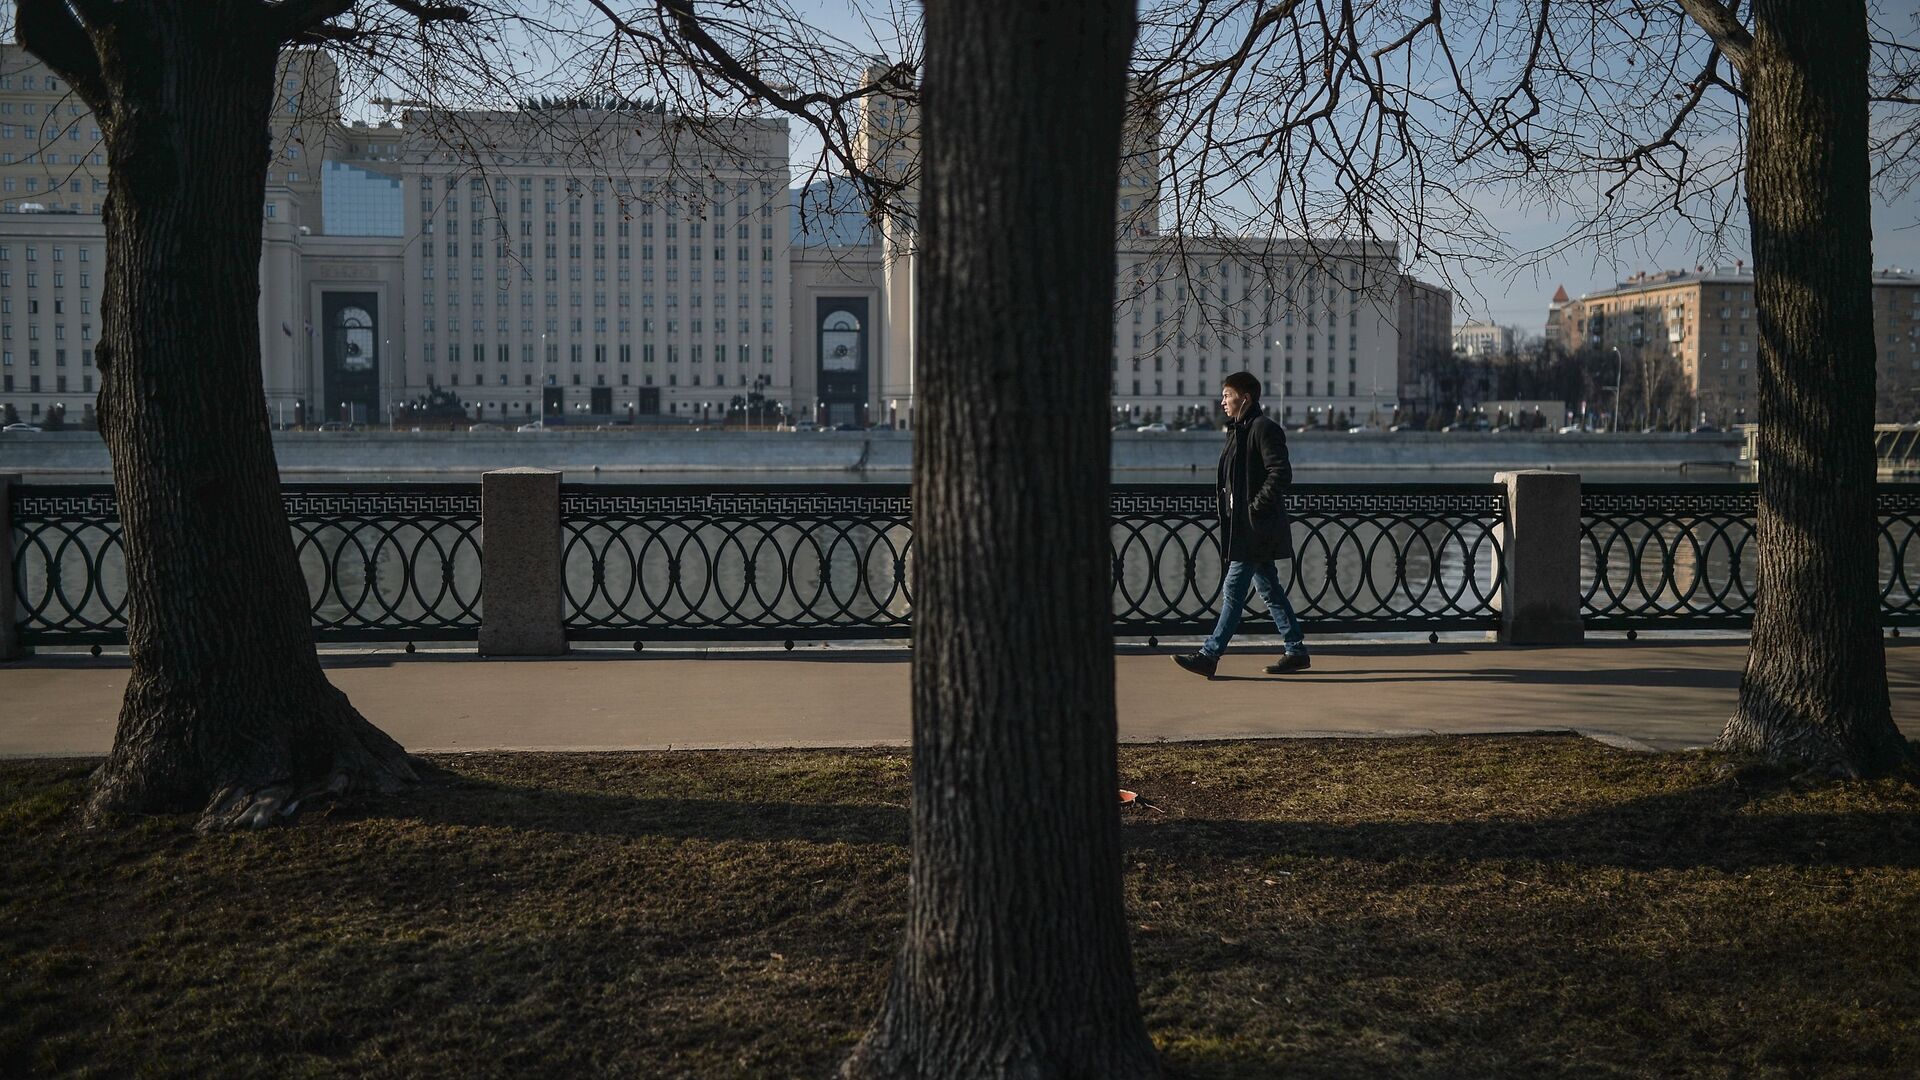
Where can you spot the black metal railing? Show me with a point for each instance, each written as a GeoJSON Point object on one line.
{"type": "Point", "coordinates": [1366, 557]}
{"type": "Point", "coordinates": [1684, 555]}
{"type": "Point", "coordinates": [381, 563]}
{"type": "Point", "coordinates": [778, 562]}
{"type": "Point", "coordinates": [770, 562]}
{"type": "Point", "coordinates": [764, 562]}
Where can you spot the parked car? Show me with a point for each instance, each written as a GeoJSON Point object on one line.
{"type": "Point", "coordinates": [537, 425]}
{"type": "Point", "coordinates": [20, 427]}
{"type": "Point", "coordinates": [1706, 429]}
{"type": "Point", "coordinates": [339, 425]}
{"type": "Point", "coordinates": [485, 427]}
{"type": "Point", "coordinates": [1154, 428]}
{"type": "Point", "coordinates": [848, 427]}
{"type": "Point", "coordinates": [805, 425]}
{"type": "Point", "coordinates": [1572, 429]}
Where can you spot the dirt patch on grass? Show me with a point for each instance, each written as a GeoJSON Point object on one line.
{"type": "Point", "coordinates": [1457, 907]}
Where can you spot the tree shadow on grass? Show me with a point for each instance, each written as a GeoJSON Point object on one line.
{"type": "Point", "coordinates": [1724, 825]}
{"type": "Point", "coordinates": [451, 798]}
{"type": "Point", "coordinates": [1713, 826]}
{"type": "Point", "coordinates": [1570, 984]}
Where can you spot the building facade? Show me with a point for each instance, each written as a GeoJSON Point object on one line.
{"type": "Point", "coordinates": [1317, 323]}
{"type": "Point", "coordinates": [1479, 339]}
{"type": "Point", "coordinates": [587, 262]}
{"type": "Point", "coordinates": [1704, 325]}
{"type": "Point", "coordinates": [1426, 318]}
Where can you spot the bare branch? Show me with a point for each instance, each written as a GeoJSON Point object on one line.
{"type": "Point", "coordinates": [293, 18]}
{"type": "Point", "coordinates": [433, 12]}
{"type": "Point", "coordinates": [1722, 24]}
{"type": "Point", "coordinates": [49, 30]}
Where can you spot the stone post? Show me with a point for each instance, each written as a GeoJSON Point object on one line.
{"type": "Point", "coordinates": [520, 564]}
{"type": "Point", "coordinates": [1540, 599]}
{"type": "Point", "coordinates": [9, 604]}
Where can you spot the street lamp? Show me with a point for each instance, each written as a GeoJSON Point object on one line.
{"type": "Point", "coordinates": [1618, 372]}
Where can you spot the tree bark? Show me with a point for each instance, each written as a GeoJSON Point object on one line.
{"type": "Point", "coordinates": [227, 708]}
{"type": "Point", "coordinates": [1016, 960]}
{"type": "Point", "coordinates": [1815, 688]}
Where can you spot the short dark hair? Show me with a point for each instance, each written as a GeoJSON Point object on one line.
{"type": "Point", "coordinates": [1244, 382]}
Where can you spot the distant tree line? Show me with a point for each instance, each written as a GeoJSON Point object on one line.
{"type": "Point", "coordinates": [1654, 394]}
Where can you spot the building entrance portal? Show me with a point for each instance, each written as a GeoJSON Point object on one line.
{"type": "Point", "coordinates": [350, 355]}
{"type": "Point", "coordinates": [841, 331]}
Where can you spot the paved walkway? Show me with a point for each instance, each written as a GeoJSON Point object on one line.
{"type": "Point", "coordinates": [1664, 695]}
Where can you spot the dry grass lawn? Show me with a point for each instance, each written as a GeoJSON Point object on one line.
{"type": "Point", "coordinates": [1532, 906]}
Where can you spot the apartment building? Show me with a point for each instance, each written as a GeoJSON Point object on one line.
{"type": "Point", "coordinates": [1704, 321]}
{"type": "Point", "coordinates": [1423, 331]}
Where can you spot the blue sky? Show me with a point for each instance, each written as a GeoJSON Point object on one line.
{"type": "Point", "coordinates": [1516, 291]}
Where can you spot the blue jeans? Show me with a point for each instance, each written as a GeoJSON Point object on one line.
{"type": "Point", "coordinates": [1233, 597]}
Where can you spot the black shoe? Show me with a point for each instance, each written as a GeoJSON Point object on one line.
{"type": "Point", "coordinates": [1293, 661]}
{"type": "Point", "coordinates": [1198, 663]}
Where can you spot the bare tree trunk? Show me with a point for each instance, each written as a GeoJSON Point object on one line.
{"type": "Point", "coordinates": [1016, 961]}
{"type": "Point", "coordinates": [227, 708]}
{"type": "Point", "coordinates": [1815, 688]}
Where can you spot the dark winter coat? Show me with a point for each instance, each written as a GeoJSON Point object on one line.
{"type": "Point", "coordinates": [1249, 490]}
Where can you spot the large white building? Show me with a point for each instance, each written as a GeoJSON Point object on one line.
{"type": "Point", "coordinates": [591, 263]}
{"type": "Point", "coordinates": [1480, 339]}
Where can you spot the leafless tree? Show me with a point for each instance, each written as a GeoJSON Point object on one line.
{"type": "Point", "coordinates": [1632, 120]}
{"type": "Point", "coordinates": [227, 709]}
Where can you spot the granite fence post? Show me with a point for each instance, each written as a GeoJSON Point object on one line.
{"type": "Point", "coordinates": [1540, 598]}
{"type": "Point", "coordinates": [520, 564]}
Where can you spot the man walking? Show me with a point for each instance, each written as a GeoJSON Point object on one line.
{"type": "Point", "coordinates": [1254, 527]}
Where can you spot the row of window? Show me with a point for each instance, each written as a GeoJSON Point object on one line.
{"type": "Point", "coordinates": [59, 305]}
{"type": "Point", "coordinates": [486, 210]}
{"type": "Point", "coordinates": [577, 354]}
{"type": "Point", "coordinates": [622, 229]}
{"type": "Point", "coordinates": [503, 299]}
{"type": "Point", "coordinates": [1246, 341]}
{"type": "Point", "coordinates": [33, 385]}
{"type": "Point", "coordinates": [59, 332]}
{"type": "Point", "coordinates": [59, 358]}
{"type": "Point", "coordinates": [59, 279]}
{"type": "Point", "coordinates": [1180, 364]}
{"type": "Point", "coordinates": [72, 132]}
{"type": "Point", "coordinates": [578, 326]}
{"type": "Point", "coordinates": [500, 185]}
{"type": "Point", "coordinates": [31, 82]}
{"type": "Point", "coordinates": [54, 187]}
{"type": "Point", "coordinates": [673, 379]}
{"type": "Point", "coordinates": [1203, 387]}
{"type": "Point", "coordinates": [575, 273]}
{"type": "Point", "coordinates": [1267, 319]}
{"type": "Point", "coordinates": [57, 254]}
{"type": "Point", "coordinates": [742, 253]}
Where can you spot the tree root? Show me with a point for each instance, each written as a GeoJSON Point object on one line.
{"type": "Point", "coordinates": [256, 806]}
